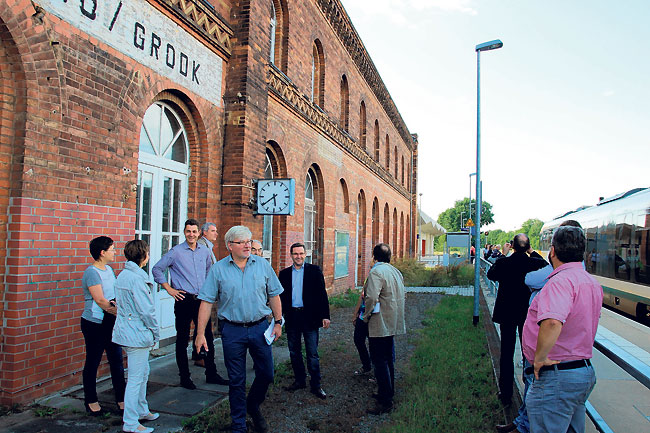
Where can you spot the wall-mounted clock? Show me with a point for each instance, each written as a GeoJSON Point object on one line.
{"type": "Point", "coordinates": [275, 196]}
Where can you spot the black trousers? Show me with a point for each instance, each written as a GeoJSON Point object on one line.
{"type": "Point", "coordinates": [186, 312]}
{"type": "Point", "coordinates": [382, 353]}
{"type": "Point", "coordinates": [506, 362]}
{"type": "Point", "coordinates": [98, 338]}
{"type": "Point", "coordinates": [360, 336]}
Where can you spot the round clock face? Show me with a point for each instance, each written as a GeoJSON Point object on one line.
{"type": "Point", "coordinates": [273, 196]}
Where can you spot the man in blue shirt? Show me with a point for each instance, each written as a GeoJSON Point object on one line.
{"type": "Point", "coordinates": [306, 309]}
{"type": "Point", "coordinates": [242, 284]}
{"type": "Point", "coordinates": [188, 263]}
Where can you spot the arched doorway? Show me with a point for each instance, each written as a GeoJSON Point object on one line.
{"type": "Point", "coordinates": [161, 203]}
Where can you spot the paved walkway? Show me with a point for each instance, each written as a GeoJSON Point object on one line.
{"type": "Point", "coordinates": [164, 395]}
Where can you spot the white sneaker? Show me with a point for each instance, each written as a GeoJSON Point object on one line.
{"type": "Point", "coordinates": [150, 417]}
{"type": "Point", "coordinates": [138, 429]}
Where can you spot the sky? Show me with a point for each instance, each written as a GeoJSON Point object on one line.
{"type": "Point", "coordinates": [565, 104]}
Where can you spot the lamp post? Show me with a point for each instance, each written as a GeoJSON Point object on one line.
{"type": "Point", "coordinates": [485, 46]}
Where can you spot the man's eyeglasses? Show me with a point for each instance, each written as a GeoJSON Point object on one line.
{"type": "Point", "coordinates": [241, 242]}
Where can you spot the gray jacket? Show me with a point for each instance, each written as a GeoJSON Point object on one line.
{"type": "Point", "coordinates": [384, 286]}
{"type": "Point", "coordinates": [136, 324]}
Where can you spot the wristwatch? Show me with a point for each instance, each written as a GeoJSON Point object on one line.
{"type": "Point", "coordinates": [278, 322]}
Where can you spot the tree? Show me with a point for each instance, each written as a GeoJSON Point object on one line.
{"type": "Point", "coordinates": [532, 227]}
{"type": "Point", "coordinates": [450, 218]}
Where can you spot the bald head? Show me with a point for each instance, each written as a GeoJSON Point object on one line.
{"type": "Point", "coordinates": [521, 243]}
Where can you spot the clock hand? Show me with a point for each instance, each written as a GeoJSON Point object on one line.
{"type": "Point", "coordinates": [272, 198]}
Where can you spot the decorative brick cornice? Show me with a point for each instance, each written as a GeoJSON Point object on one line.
{"type": "Point", "coordinates": [203, 19]}
{"type": "Point", "coordinates": [287, 93]}
{"type": "Point", "coordinates": [340, 22]}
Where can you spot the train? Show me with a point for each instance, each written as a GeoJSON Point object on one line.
{"type": "Point", "coordinates": [618, 248]}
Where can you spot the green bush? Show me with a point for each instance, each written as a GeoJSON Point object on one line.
{"type": "Point", "coordinates": [417, 275]}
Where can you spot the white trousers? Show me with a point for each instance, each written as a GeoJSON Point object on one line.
{"type": "Point", "coordinates": [135, 396]}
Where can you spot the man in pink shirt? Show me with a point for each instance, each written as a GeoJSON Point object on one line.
{"type": "Point", "coordinates": [558, 338]}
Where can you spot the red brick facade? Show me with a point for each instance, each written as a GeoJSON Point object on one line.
{"type": "Point", "coordinates": [71, 112]}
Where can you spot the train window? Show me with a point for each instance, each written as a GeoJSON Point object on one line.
{"type": "Point", "coordinates": [606, 246]}
{"type": "Point", "coordinates": [591, 253]}
{"type": "Point", "coordinates": [642, 252]}
{"type": "Point", "coordinates": [624, 248]}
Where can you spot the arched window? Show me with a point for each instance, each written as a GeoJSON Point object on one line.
{"type": "Point", "coordinates": [386, 224]}
{"type": "Point", "coordinates": [408, 176]}
{"type": "Point", "coordinates": [401, 235]}
{"type": "Point", "coordinates": [318, 74]}
{"type": "Point", "coordinates": [402, 170]}
{"type": "Point", "coordinates": [387, 153]}
{"type": "Point", "coordinates": [279, 30]}
{"type": "Point", "coordinates": [267, 234]}
{"type": "Point", "coordinates": [345, 104]}
{"type": "Point", "coordinates": [376, 140]}
{"type": "Point", "coordinates": [344, 196]}
{"type": "Point", "coordinates": [362, 125]}
{"type": "Point", "coordinates": [396, 164]}
{"type": "Point", "coordinates": [310, 216]}
{"type": "Point", "coordinates": [394, 245]}
{"type": "Point", "coordinates": [375, 222]}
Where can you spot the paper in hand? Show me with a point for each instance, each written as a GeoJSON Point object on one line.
{"type": "Point", "coordinates": [267, 334]}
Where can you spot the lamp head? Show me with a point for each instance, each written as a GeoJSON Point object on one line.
{"type": "Point", "coordinates": [487, 46]}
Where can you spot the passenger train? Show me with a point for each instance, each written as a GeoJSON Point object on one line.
{"type": "Point", "coordinates": [618, 248]}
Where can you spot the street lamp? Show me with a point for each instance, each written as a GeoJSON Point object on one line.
{"type": "Point", "coordinates": [485, 46]}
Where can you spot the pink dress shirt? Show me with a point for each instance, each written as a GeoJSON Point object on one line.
{"type": "Point", "coordinates": [573, 297]}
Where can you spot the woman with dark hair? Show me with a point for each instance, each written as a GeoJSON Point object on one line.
{"type": "Point", "coordinates": [136, 329]}
{"type": "Point", "coordinates": [97, 320]}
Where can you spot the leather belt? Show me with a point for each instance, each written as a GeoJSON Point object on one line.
{"type": "Point", "coordinates": [244, 324]}
{"type": "Point", "coordinates": [298, 308]}
{"type": "Point", "coordinates": [569, 365]}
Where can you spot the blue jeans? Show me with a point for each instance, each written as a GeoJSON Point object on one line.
{"type": "Point", "coordinates": [135, 397]}
{"type": "Point", "coordinates": [556, 402]}
{"type": "Point", "coordinates": [236, 340]}
{"type": "Point", "coordinates": [522, 423]}
{"type": "Point", "coordinates": [382, 353]}
{"type": "Point", "coordinates": [294, 341]}
{"type": "Point", "coordinates": [360, 336]}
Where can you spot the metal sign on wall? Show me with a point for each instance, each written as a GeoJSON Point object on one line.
{"type": "Point", "coordinates": [137, 29]}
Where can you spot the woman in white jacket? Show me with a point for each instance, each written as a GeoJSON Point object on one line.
{"type": "Point", "coordinates": [136, 329]}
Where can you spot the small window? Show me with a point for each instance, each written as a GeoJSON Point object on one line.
{"type": "Point", "coordinates": [362, 125]}
{"type": "Point", "coordinates": [345, 104]}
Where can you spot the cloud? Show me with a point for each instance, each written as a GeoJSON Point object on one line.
{"type": "Point", "coordinates": [461, 6]}
{"type": "Point", "coordinates": [394, 9]}
{"type": "Point", "coordinates": [608, 93]}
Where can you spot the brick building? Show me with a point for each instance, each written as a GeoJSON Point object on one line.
{"type": "Point", "coordinates": [125, 118]}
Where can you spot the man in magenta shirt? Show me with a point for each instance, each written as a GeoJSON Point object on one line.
{"type": "Point", "coordinates": [558, 338]}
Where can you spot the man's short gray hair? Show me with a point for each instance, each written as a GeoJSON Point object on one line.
{"type": "Point", "coordinates": [237, 232]}
{"type": "Point", "coordinates": [205, 227]}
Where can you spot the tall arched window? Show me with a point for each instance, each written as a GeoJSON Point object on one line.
{"type": "Point", "coordinates": [387, 153]}
{"type": "Point", "coordinates": [310, 216]}
{"type": "Point", "coordinates": [376, 140]}
{"type": "Point", "coordinates": [394, 245]}
{"type": "Point", "coordinates": [375, 222]}
{"type": "Point", "coordinates": [402, 170]}
{"type": "Point", "coordinates": [161, 197]}
{"type": "Point", "coordinates": [396, 164]}
{"type": "Point", "coordinates": [401, 235]}
{"type": "Point", "coordinates": [267, 234]}
{"type": "Point", "coordinates": [279, 29]}
{"type": "Point", "coordinates": [345, 103]}
{"type": "Point", "coordinates": [386, 224]}
{"type": "Point", "coordinates": [318, 74]}
{"type": "Point", "coordinates": [344, 196]}
{"type": "Point", "coordinates": [362, 125]}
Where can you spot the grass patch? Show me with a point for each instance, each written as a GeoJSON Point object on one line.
{"type": "Point", "coordinates": [213, 419]}
{"type": "Point", "coordinates": [345, 300]}
{"type": "Point", "coordinates": [451, 387]}
{"type": "Point", "coordinates": [43, 411]}
{"type": "Point", "coordinates": [417, 275]}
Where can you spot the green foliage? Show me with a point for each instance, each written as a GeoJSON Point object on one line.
{"type": "Point", "coordinates": [43, 411]}
{"type": "Point", "coordinates": [417, 275]}
{"type": "Point", "coordinates": [451, 384]}
{"type": "Point", "coordinates": [450, 218]}
{"type": "Point", "coordinates": [531, 227]}
{"type": "Point", "coordinates": [215, 418]}
{"type": "Point", "coordinates": [345, 300]}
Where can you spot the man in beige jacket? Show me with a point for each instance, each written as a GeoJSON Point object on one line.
{"type": "Point", "coordinates": [384, 300]}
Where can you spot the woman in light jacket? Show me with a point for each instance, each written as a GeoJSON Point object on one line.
{"type": "Point", "coordinates": [136, 329]}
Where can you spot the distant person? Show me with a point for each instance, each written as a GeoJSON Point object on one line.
{"type": "Point", "coordinates": [256, 248]}
{"type": "Point", "coordinates": [97, 321]}
{"type": "Point", "coordinates": [511, 306]}
{"type": "Point", "coordinates": [495, 253]}
{"type": "Point", "coordinates": [558, 338]}
{"type": "Point", "coordinates": [242, 284]}
{"type": "Point", "coordinates": [472, 254]}
{"type": "Point", "coordinates": [360, 336]}
{"type": "Point", "coordinates": [188, 263]}
{"type": "Point", "coordinates": [306, 309]}
{"type": "Point", "coordinates": [136, 328]}
{"type": "Point", "coordinates": [487, 252]}
{"type": "Point", "coordinates": [384, 300]}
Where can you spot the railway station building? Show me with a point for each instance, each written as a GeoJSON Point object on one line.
{"type": "Point", "coordinates": [124, 118]}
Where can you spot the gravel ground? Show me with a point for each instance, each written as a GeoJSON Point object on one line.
{"type": "Point", "coordinates": [348, 396]}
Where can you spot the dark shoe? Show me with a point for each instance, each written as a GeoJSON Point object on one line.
{"type": "Point", "coordinates": [217, 379]}
{"type": "Point", "coordinates": [380, 408]}
{"type": "Point", "coordinates": [91, 412]}
{"type": "Point", "coordinates": [187, 383]}
{"type": "Point", "coordinates": [506, 428]}
{"type": "Point", "coordinates": [318, 392]}
{"type": "Point", "coordinates": [259, 423]}
{"type": "Point", "coordinates": [295, 386]}
{"type": "Point", "coordinates": [362, 371]}
{"type": "Point", "coordinates": [200, 362]}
